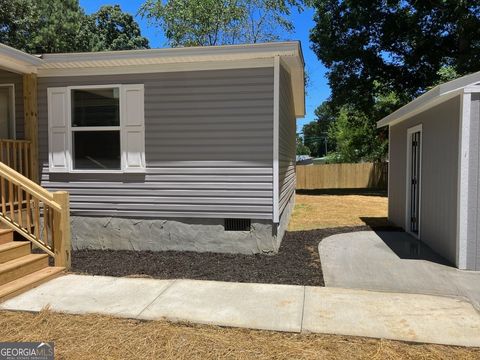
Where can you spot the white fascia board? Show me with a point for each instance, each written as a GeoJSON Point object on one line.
{"type": "Point", "coordinates": [12, 65]}
{"type": "Point", "coordinates": [17, 61]}
{"type": "Point", "coordinates": [194, 52]}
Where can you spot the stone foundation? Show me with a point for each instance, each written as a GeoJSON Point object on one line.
{"type": "Point", "coordinates": [171, 234]}
{"type": "Point", "coordinates": [200, 235]}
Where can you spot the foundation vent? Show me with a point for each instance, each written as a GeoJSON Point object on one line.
{"type": "Point", "coordinates": [237, 224]}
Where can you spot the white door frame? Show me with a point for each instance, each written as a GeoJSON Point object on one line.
{"type": "Point", "coordinates": [408, 197]}
{"type": "Point", "coordinates": [12, 106]}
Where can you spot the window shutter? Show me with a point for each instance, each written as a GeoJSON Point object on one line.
{"type": "Point", "coordinates": [133, 128]}
{"type": "Point", "coordinates": [58, 129]}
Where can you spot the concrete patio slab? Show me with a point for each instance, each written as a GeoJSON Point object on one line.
{"type": "Point", "coordinates": [417, 318]}
{"type": "Point", "coordinates": [370, 261]}
{"type": "Point", "coordinates": [257, 306]}
{"type": "Point", "coordinates": [79, 294]}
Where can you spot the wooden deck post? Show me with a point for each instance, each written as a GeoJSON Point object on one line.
{"type": "Point", "coordinates": [31, 121]}
{"type": "Point", "coordinates": [61, 231]}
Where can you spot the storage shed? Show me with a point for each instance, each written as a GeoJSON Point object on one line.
{"type": "Point", "coordinates": [434, 163]}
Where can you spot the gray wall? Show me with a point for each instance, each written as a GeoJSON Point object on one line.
{"type": "Point", "coordinates": [473, 220]}
{"type": "Point", "coordinates": [209, 141]}
{"type": "Point", "coordinates": [287, 141]}
{"type": "Point", "coordinates": [439, 175]}
{"type": "Point", "coordinates": [7, 77]}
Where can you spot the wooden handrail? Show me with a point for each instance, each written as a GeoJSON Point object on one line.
{"type": "Point", "coordinates": [17, 154]}
{"type": "Point", "coordinates": [38, 215]}
{"type": "Point", "coordinates": [20, 180]}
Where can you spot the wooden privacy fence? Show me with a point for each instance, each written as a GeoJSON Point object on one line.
{"type": "Point", "coordinates": [342, 176]}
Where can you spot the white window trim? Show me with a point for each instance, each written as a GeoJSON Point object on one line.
{"type": "Point", "coordinates": [121, 128]}
{"type": "Point", "coordinates": [12, 104]}
{"type": "Point", "coordinates": [410, 131]}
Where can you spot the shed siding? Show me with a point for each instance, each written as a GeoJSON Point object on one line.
{"type": "Point", "coordinates": [438, 178]}
{"type": "Point", "coordinates": [287, 141]}
{"type": "Point", "coordinates": [473, 221]}
{"type": "Point", "coordinates": [7, 77]}
{"type": "Point", "coordinates": [208, 148]}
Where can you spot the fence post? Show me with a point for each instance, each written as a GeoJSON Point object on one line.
{"type": "Point", "coordinates": [61, 230]}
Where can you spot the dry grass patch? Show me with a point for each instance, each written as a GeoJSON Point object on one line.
{"type": "Point", "coordinates": [323, 210]}
{"type": "Point", "coordinates": [103, 337]}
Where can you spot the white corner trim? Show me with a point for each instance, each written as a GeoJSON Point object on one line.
{"type": "Point", "coordinates": [463, 181]}
{"type": "Point", "coordinates": [410, 131]}
{"type": "Point", "coordinates": [276, 122]}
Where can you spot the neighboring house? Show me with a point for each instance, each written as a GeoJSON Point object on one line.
{"type": "Point", "coordinates": [161, 149]}
{"type": "Point", "coordinates": [434, 177]}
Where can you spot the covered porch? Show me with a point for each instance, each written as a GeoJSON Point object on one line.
{"type": "Point", "coordinates": [18, 111]}
{"type": "Point", "coordinates": [34, 223]}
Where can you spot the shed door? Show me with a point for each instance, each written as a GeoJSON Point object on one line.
{"type": "Point", "coordinates": [414, 179]}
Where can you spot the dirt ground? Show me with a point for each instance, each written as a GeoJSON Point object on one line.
{"type": "Point", "coordinates": [316, 216]}
{"type": "Point", "coordinates": [296, 263]}
{"type": "Point", "coordinates": [102, 337]}
{"type": "Point", "coordinates": [329, 209]}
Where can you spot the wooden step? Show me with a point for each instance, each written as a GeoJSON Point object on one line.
{"type": "Point", "coordinates": [16, 287]}
{"type": "Point", "coordinates": [14, 250]}
{"type": "Point", "coordinates": [15, 269]}
{"type": "Point", "coordinates": [6, 235]}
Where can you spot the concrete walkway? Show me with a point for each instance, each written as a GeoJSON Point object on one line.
{"type": "Point", "coordinates": [418, 318]}
{"type": "Point", "coordinates": [394, 262]}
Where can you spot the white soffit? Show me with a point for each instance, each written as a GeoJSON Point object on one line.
{"type": "Point", "coordinates": [17, 61]}
{"type": "Point", "coordinates": [435, 96]}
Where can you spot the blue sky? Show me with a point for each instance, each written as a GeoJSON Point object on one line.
{"type": "Point", "coordinates": [317, 90]}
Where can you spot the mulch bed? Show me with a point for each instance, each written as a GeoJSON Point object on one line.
{"type": "Point", "coordinates": [297, 262]}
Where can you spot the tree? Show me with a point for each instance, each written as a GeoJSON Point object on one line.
{"type": "Point", "coordinates": [44, 26]}
{"type": "Point", "coordinates": [355, 136]}
{"type": "Point", "coordinates": [52, 26]}
{"type": "Point", "coordinates": [401, 44]}
{"type": "Point", "coordinates": [302, 149]}
{"type": "Point", "coordinates": [219, 22]}
{"type": "Point", "coordinates": [116, 30]}
{"type": "Point", "coordinates": [381, 54]}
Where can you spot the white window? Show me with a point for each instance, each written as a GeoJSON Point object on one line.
{"type": "Point", "coordinates": [96, 128]}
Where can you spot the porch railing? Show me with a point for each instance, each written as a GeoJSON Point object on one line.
{"type": "Point", "coordinates": [38, 215]}
{"type": "Point", "coordinates": [17, 154]}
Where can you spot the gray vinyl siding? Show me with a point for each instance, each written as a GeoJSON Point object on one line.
{"type": "Point", "coordinates": [473, 219]}
{"type": "Point", "coordinates": [208, 148]}
{"type": "Point", "coordinates": [287, 141]}
{"type": "Point", "coordinates": [7, 77]}
{"type": "Point", "coordinates": [439, 176]}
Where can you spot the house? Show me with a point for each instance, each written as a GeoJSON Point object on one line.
{"type": "Point", "coordinates": [160, 149]}
{"type": "Point", "coordinates": [434, 168]}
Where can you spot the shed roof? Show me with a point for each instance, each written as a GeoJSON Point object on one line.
{"type": "Point", "coordinates": [435, 96]}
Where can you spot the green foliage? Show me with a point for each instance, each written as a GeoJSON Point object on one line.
{"type": "Point", "coordinates": [302, 149]}
{"type": "Point", "coordinates": [401, 44]}
{"type": "Point", "coordinates": [381, 54]}
{"type": "Point", "coordinates": [53, 26]}
{"type": "Point", "coordinates": [356, 138]}
{"type": "Point", "coordinates": [116, 30]}
{"type": "Point", "coordinates": [218, 22]}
